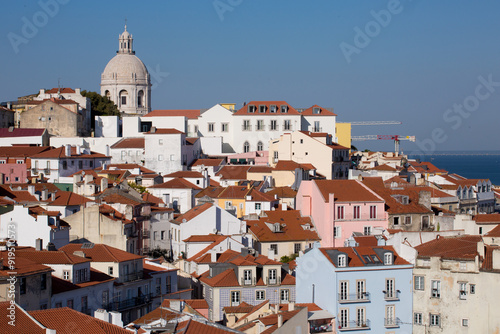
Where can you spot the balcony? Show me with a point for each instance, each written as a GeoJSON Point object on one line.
{"type": "Point", "coordinates": [273, 127]}
{"type": "Point", "coordinates": [354, 325]}
{"type": "Point", "coordinates": [34, 171]}
{"type": "Point", "coordinates": [132, 276]}
{"type": "Point", "coordinates": [316, 129]}
{"type": "Point", "coordinates": [145, 234]}
{"type": "Point", "coordinates": [46, 171]}
{"type": "Point", "coordinates": [391, 295]}
{"type": "Point", "coordinates": [247, 282]}
{"type": "Point", "coordinates": [363, 297]}
{"type": "Point", "coordinates": [392, 322]}
{"type": "Point", "coordinates": [129, 303]}
{"type": "Point", "coordinates": [246, 127]}
{"type": "Point", "coordinates": [273, 281]}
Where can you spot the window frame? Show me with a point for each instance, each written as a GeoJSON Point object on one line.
{"type": "Point", "coordinates": [418, 283]}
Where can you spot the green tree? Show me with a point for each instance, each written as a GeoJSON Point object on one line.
{"type": "Point", "coordinates": [101, 105]}
{"type": "Point", "coordinates": [140, 189]}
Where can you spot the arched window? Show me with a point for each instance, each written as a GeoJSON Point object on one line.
{"type": "Point", "coordinates": [123, 97]}
{"type": "Point", "coordinates": [140, 98]}
{"type": "Point", "coordinates": [260, 147]}
{"type": "Point", "coordinates": [470, 192]}
{"type": "Point", "coordinates": [107, 94]}
{"type": "Point", "coordinates": [464, 193]}
{"type": "Point", "coordinates": [246, 147]}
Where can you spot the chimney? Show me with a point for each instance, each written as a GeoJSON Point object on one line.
{"type": "Point", "coordinates": [213, 257]}
{"type": "Point", "coordinates": [284, 206]}
{"type": "Point", "coordinates": [153, 129]}
{"type": "Point", "coordinates": [78, 150]}
{"type": "Point", "coordinates": [206, 178]}
{"type": "Point", "coordinates": [45, 194]}
{"type": "Point", "coordinates": [275, 196]}
{"type": "Point", "coordinates": [116, 318]}
{"type": "Point", "coordinates": [9, 105]}
{"type": "Point", "coordinates": [67, 150]}
{"type": "Point", "coordinates": [51, 247]}
{"type": "Point", "coordinates": [42, 91]}
{"type": "Point", "coordinates": [424, 198]}
{"type": "Point", "coordinates": [280, 320]}
{"type": "Point", "coordinates": [79, 253]}
{"type": "Point", "coordinates": [38, 244]}
{"type": "Point", "coordinates": [101, 314]}
{"type": "Point", "coordinates": [104, 184]}
{"type": "Point", "coordinates": [108, 152]}
{"type": "Point", "coordinates": [176, 305]}
{"type": "Point", "coordinates": [249, 185]}
{"type": "Point", "coordinates": [78, 91]}
{"type": "Point", "coordinates": [53, 196]}
{"type": "Point", "coordinates": [291, 306]}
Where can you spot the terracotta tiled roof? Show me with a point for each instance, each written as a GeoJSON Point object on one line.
{"type": "Point", "coordinates": [20, 132]}
{"type": "Point", "coordinates": [22, 151]}
{"type": "Point", "coordinates": [283, 192]}
{"type": "Point", "coordinates": [117, 198]}
{"type": "Point", "coordinates": [212, 192]}
{"type": "Point", "coordinates": [291, 227]}
{"type": "Point", "coordinates": [208, 162]}
{"type": "Point", "coordinates": [242, 308]}
{"type": "Point", "coordinates": [214, 183]}
{"type": "Point", "coordinates": [22, 266]}
{"type": "Point", "coordinates": [224, 279]}
{"type": "Point", "coordinates": [102, 253]}
{"type": "Point", "coordinates": [260, 169]}
{"type": "Point", "coordinates": [290, 165]}
{"type": "Point", "coordinates": [357, 259]}
{"type": "Point", "coordinates": [50, 257]}
{"type": "Point", "coordinates": [191, 140]}
{"type": "Point", "coordinates": [487, 264]}
{"type": "Point", "coordinates": [189, 113]}
{"type": "Point", "coordinates": [346, 191]}
{"type": "Point", "coordinates": [426, 167]}
{"type": "Point", "coordinates": [204, 238]}
{"type": "Point", "coordinates": [384, 168]}
{"type": "Point", "coordinates": [164, 132]}
{"type": "Point", "coordinates": [495, 233]}
{"type": "Point", "coordinates": [129, 143]}
{"type": "Point", "coordinates": [178, 183]}
{"type": "Point", "coordinates": [259, 196]}
{"type": "Point", "coordinates": [272, 320]}
{"type": "Point", "coordinates": [67, 321]}
{"type": "Point", "coordinates": [185, 173]}
{"type": "Point", "coordinates": [233, 172]}
{"type": "Point", "coordinates": [195, 327]}
{"type": "Point", "coordinates": [113, 214]}
{"type": "Point", "coordinates": [194, 212]}
{"type": "Point", "coordinates": [311, 307]}
{"type": "Point", "coordinates": [60, 152]}
{"type": "Point", "coordinates": [23, 322]}
{"type": "Point", "coordinates": [457, 247]}
{"type": "Point", "coordinates": [244, 110]}
{"type": "Point", "coordinates": [323, 111]}
{"type": "Point", "coordinates": [68, 198]}
{"type": "Point", "coordinates": [487, 218]}
{"type": "Point", "coordinates": [253, 310]}
{"type": "Point", "coordinates": [147, 197]}
{"type": "Point", "coordinates": [366, 241]}
{"type": "Point", "coordinates": [197, 303]}
{"type": "Point", "coordinates": [36, 211]}
{"type": "Point", "coordinates": [234, 192]}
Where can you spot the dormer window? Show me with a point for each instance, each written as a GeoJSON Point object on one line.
{"type": "Point", "coordinates": [342, 260]}
{"type": "Point", "coordinates": [284, 109]}
{"type": "Point", "coordinates": [387, 259]}
{"type": "Point", "coordinates": [262, 109]}
{"type": "Point", "coordinates": [251, 108]}
{"type": "Point", "coordinates": [273, 108]}
{"type": "Point", "coordinates": [316, 110]}
{"type": "Point", "coordinates": [277, 227]}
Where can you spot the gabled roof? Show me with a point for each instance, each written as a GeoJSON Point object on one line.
{"type": "Point", "coordinates": [242, 308]}
{"type": "Point", "coordinates": [185, 174]}
{"type": "Point", "coordinates": [61, 319]}
{"type": "Point", "coordinates": [346, 191]}
{"type": "Point", "coordinates": [322, 111]}
{"type": "Point", "coordinates": [212, 192]}
{"type": "Point", "coordinates": [178, 183]}
{"type": "Point", "coordinates": [233, 172]}
{"type": "Point", "coordinates": [189, 113]}
{"type": "Point", "coordinates": [244, 110]}
{"type": "Point", "coordinates": [147, 197]}
{"type": "Point", "coordinates": [22, 266]}
{"type": "Point", "coordinates": [120, 198]}
{"type": "Point", "coordinates": [487, 218]}
{"type": "Point", "coordinates": [384, 168]}
{"type": "Point", "coordinates": [195, 327]}
{"type": "Point", "coordinates": [68, 198]}
{"type": "Point", "coordinates": [60, 152]}
{"type": "Point", "coordinates": [21, 151]}
{"type": "Point", "coordinates": [113, 214]}
{"type": "Point", "coordinates": [291, 165]}
{"type": "Point", "coordinates": [164, 132]}
{"type": "Point", "coordinates": [462, 247]}
{"type": "Point", "coordinates": [362, 256]}
{"type": "Point", "coordinates": [101, 253]}
{"type": "Point", "coordinates": [224, 279]}
{"type": "Point", "coordinates": [293, 227]}
{"type": "Point", "coordinates": [65, 90]}
{"type": "Point", "coordinates": [194, 212]}
{"type": "Point", "coordinates": [234, 192]}
{"type": "Point", "coordinates": [20, 132]}
{"type": "Point", "coordinates": [50, 257]}
{"type": "Point", "coordinates": [208, 162]}
{"type": "Point", "coordinates": [24, 323]}
{"type": "Point", "coordinates": [283, 192]}
{"type": "Point", "coordinates": [129, 143]}
{"type": "Point", "coordinates": [495, 233]}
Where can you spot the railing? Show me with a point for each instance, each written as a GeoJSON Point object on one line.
{"type": "Point", "coordinates": [462, 295]}
{"type": "Point", "coordinates": [392, 322]}
{"type": "Point", "coordinates": [250, 281]}
{"type": "Point", "coordinates": [132, 276]}
{"type": "Point", "coordinates": [354, 324]}
{"type": "Point", "coordinates": [246, 127]}
{"type": "Point", "coordinates": [273, 128]}
{"type": "Point", "coordinates": [46, 171]}
{"type": "Point", "coordinates": [391, 295]}
{"type": "Point", "coordinates": [129, 303]}
{"type": "Point", "coordinates": [34, 170]}
{"type": "Point", "coordinates": [145, 234]}
{"type": "Point", "coordinates": [271, 281]}
{"type": "Point", "coordinates": [361, 297]}
{"type": "Point", "coordinates": [316, 129]}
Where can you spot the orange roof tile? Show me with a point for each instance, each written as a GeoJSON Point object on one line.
{"type": "Point", "coordinates": [60, 152]}
{"type": "Point", "coordinates": [208, 162]}
{"type": "Point", "coordinates": [177, 183]}
{"type": "Point", "coordinates": [164, 132]}
{"type": "Point", "coordinates": [194, 212]}
{"type": "Point", "coordinates": [356, 255]}
{"type": "Point", "coordinates": [68, 198]}
{"type": "Point", "coordinates": [212, 192]}
{"type": "Point", "coordinates": [462, 247]}
{"type": "Point", "coordinates": [234, 192]}
{"type": "Point", "coordinates": [102, 253]}
{"type": "Point", "coordinates": [244, 110]}
{"type": "Point", "coordinates": [346, 191]}
{"type": "Point", "coordinates": [233, 172]}
{"type": "Point", "coordinates": [322, 111]}
{"type": "Point", "coordinates": [283, 192]}
{"type": "Point", "coordinates": [487, 218]}
{"type": "Point", "coordinates": [23, 322]}
{"type": "Point", "coordinates": [384, 167]}
{"type": "Point", "coordinates": [189, 113]}
{"type": "Point", "coordinates": [129, 143]}
{"type": "Point", "coordinates": [185, 173]}
{"type": "Point", "coordinates": [291, 165]}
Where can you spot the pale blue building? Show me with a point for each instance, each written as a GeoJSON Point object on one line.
{"type": "Point", "coordinates": [368, 288]}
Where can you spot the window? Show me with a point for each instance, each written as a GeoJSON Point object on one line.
{"type": "Point", "coordinates": [80, 164]}
{"type": "Point", "coordinates": [235, 298]}
{"type": "Point", "coordinates": [361, 289]}
{"type": "Point", "coordinates": [260, 125]}
{"type": "Point", "coordinates": [387, 259]}
{"type": "Point", "coordinates": [246, 147]}
{"type": "Point", "coordinates": [355, 212]}
{"type": "Point", "coordinates": [228, 204]}
{"type": "Point", "coordinates": [260, 146]}
{"type": "Point", "coordinates": [480, 230]}
{"type": "Point", "coordinates": [436, 289]}
{"type": "Point", "coordinates": [463, 290]}
{"type": "Point", "coordinates": [272, 274]}
{"type": "Point", "coordinates": [465, 322]}
{"type": "Point", "coordinates": [340, 212]}
{"type": "Point", "coordinates": [435, 320]}
{"type": "Point", "coordinates": [274, 125]}
{"type": "Point", "coordinates": [396, 221]}
{"type": "Point", "coordinates": [246, 125]}
{"type": "Point", "coordinates": [284, 296]}
{"type": "Point", "coordinates": [275, 156]}
{"type": "Point", "coordinates": [417, 318]}
{"type": "Point", "coordinates": [316, 128]}
{"type": "Point", "coordinates": [273, 108]}
{"type": "Point", "coordinates": [287, 125]}
{"type": "Point", "coordinates": [262, 109]}
{"type": "Point", "coordinates": [168, 285]}
{"type": "Point", "coordinates": [367, 230]}
{"type": "Point", "coordinates": [196, 129]}
{"type": "Point", "coordinates": [84, 304]}
{"type": "Point", "coordinates": [58, 304]}
{"type": "Point", "coordinates": [257, 206]}
{"type": "Point", "coordinates": [22, 285]}
{"type": "Point", "coordinates": [19, 161]}
{"type": "Point", "coordinates": [110, 270]}
{"type": "Point", "coordinates": [211, 127]}
{"type": "Point", "coordinates": [337, 232]}
{"type": "Point", "coordinates": [274, 247]}
{"type": "Point", "coordinates": [297, 248]}
{"type": "Point", "coordinates": [360, 317]}
{"type": "Point", "coordinates": [247, 277]}
{"type": "Point", "coordinates": [65, 164]}
{"type": "Point", "coordinates": [389, 288]}
{"type": "Point", "coordinates": [251, 108]}
{"type": "Point", "coordinates": [472, 288]}
{"type": "Point", "coordinates": [316, 110]}
{"type": "Point", "coordinates": [284, 109]}
{"type": "Point", "coordinates": [418, 282]}
{"type": "Point", "coordinates": [344, 317]}
{"type": "Point", "coordinates": [105, 298]}
{"type": "Point", "coordinates": [225, 127]}
{"type": "Point", "coordinates": [124, 100]}
{"type": "Point", "coordinates": [66, 275]}
{"type": "Point", "coordinates": [160, 142]}
{"type": "Point", "coordinates": [344, 290]}
{"type": "Point", "coordinates": [260, 295]}
{"type": "Point", "coordinates": [342, 260]}
{"type": "Point", "coordinates": [69, 303]}
{"type": "Point", "coordinates": [158, 286]}
{"type": "Point", "coordinates": [373, 212]}
{"type": "Point", "coordinates": [408, 220]}
{"type": "Point", "coordinates": [43, 281]}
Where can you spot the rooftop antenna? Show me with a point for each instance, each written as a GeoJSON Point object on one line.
{"type": "Point", "coordinates": [125, 24]}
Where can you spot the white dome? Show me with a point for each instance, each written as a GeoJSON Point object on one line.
{"type": "Point", "coordinates": [125, 68]}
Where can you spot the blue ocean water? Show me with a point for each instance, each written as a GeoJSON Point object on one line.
{"type": "Point", "coordinates": [472, 165]}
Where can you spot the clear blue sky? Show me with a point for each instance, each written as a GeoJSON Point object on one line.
{"type": "Point", "coordinates": [415, 67]}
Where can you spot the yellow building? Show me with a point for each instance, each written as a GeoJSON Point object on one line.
{"type": "Point", "coordinates": [343, 131]}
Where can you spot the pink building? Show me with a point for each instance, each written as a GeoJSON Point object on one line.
{"type": "Point", "coordinates": [13, 173]}
{"type": "Point", "coordinates": [340, 207]}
